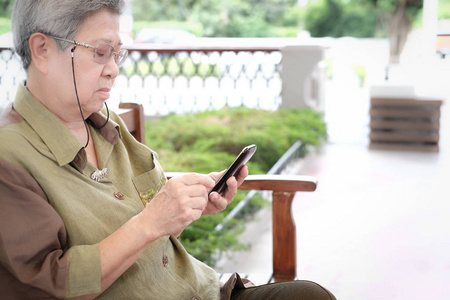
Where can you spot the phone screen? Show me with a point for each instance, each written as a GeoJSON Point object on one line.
{"type": "Point", "coordinates": [235, 167]}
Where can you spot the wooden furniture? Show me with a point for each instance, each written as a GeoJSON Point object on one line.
{"type": "Point", "coordinates": [133, 116]}
{"type": "Point", "coordinates": [284, 188]}
{"type": "Point", "coordinates": [405, 124]}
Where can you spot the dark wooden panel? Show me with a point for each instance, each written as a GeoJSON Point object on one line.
{"type": "Point", "coordinates": [405, 124]}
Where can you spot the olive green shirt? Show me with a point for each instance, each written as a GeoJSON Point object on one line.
{"type": "Point", "coordinates": [53, 214]}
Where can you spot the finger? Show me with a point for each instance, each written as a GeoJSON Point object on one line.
{"type": "Point", "coordinates": [217, 175]}
{"type": "Point", "coordinates": [196, 214]}
{"type": "Point", "coordinates": [194, 179]}
{"type": "Point", "coordinates": [198, 203]}
{"type": "Point", "coordinates": [197, 190]}
{"type": "Point", "coordinates": [232, 184]}
{"type": "Point", "coordinates": [218, 201]}
{"type": "Point", "coordinates": [243, 173]}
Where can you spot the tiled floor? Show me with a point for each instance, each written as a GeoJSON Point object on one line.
{"type": "Point", "coordinates": [378, 226]}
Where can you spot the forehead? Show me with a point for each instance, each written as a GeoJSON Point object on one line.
{"type": "Point", "coordinates": [102, 27]}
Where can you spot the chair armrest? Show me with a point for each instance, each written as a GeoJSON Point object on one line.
{"type": "Point", "coordinates": [280, 183]}
{"type": "Point", "coordinates": [275, 183]}
{"type": "Point", "coordinates": [284, 188]}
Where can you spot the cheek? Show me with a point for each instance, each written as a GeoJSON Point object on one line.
{"type": "Point", "coordinates": [87, 79]}
{"type": "Point", "coordinates": [60, 70]}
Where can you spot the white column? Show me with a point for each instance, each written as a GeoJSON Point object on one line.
{"type": "Point", "coordinates": [298, 64]}
{"type": "Point", "coordinates": [429, 28]}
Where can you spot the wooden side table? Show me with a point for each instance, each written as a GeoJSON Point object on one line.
{"type": "Point", "coordinates": [405, 124]}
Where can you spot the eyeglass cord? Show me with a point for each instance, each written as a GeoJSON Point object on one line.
{"type": "Point", "coordinates": [79, 105]}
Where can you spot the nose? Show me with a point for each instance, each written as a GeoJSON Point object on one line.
{"type": "Point", "coordinates": [111, 69]}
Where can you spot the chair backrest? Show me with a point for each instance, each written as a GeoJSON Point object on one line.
{"type": "Point", "coordinates": [133, 116]}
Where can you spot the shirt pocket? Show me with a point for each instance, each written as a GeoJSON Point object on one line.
{"type": "Point", "coordinates": [150, 183]}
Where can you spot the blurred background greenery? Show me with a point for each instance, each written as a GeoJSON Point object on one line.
{"type": "Point", "coordinates": [266, 18]}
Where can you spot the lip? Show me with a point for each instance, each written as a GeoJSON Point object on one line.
{"type": "Point", "coordinates": [104, 92]}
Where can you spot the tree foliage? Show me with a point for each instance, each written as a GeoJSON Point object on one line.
{"type": "Point", "coordinates": [219, 18]}
{"type": "Point", "coordinates": [364, 18]}
{"type": "Point", "coordinates": [395, 18]}
{"type": "Point", "coordinates": [6, 7]}
{"type": "Point", "coordinates": [336, 18]}
{"type": "Point", "coordinates": [333, 18]}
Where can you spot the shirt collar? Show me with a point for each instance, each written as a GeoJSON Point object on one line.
{"type": "Point", "coordinates": [61, 142]}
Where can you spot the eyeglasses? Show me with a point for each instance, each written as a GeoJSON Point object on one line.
{"type": "Point", "coordinates": [102, 53]}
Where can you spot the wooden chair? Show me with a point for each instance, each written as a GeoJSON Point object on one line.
{"type": "Point", "coordinates": [283, 187]}
{"type": "Point", "coordinates": [133, 115]}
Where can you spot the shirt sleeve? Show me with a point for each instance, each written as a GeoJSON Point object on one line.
{"type": "Point", "coordinates": [34, 263]}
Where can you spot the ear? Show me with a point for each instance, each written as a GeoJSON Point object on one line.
{"type": "Point", "coordinates": [40, 49]}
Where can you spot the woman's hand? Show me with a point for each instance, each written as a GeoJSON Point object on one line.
{"type": "Point", "coordinates": [180, 202]}
{"type": "Point", "coordinates": [218, 202]}
{"type": "Point", "coordinates": [185, 199]}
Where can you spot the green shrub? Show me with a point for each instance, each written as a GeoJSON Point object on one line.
{"type": "Point", "coordinates": [5, 25]}
{"type": "Point", "coordinates": [207, 142]}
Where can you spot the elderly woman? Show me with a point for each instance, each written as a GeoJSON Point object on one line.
{"type": "Point", "coordinates": [85, 209]}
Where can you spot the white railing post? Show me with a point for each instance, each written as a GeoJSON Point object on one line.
{"type": "Point", "coordinates": [302, 77]}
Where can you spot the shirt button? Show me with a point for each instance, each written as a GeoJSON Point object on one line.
{"type": "Point", "coordinates": [165, 260]}
{"type": "Point", "coordinates": [119, 195]}
{"type": "Point", "coordinates": [196, 298]}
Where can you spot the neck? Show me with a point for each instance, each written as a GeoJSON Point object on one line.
{"type": "Point", "coordinates": [47, 96]}
{"type": "Point", "coordinates": [54, 97]}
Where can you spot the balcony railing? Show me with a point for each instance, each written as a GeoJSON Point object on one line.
{"type": "Point", "coordinates": [183, 79]}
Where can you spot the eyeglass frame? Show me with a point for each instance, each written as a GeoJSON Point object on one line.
{"type": "Point", "coordinates": [113, 53]}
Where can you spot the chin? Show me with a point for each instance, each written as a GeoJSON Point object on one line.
{"type": "Point", "coordinates": [101, 106]}
{"type": "Point", "coordinates": [94, 107]}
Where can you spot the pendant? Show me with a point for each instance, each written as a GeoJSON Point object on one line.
{"type": "Point", "coordinates": [99, 174]}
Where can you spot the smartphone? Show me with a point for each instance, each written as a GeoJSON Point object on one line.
{"type": "Point", "coordinates": [234, 168]}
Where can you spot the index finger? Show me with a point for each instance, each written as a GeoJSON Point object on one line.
{"type": "Point", "coordinates": [195, 178]}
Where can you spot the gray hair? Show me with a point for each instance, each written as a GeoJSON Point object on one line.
{"type": "Point", "coordinates": [60, 18]}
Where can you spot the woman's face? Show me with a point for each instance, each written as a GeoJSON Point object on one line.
{"type": "Point", "coordinates": [93, 80]}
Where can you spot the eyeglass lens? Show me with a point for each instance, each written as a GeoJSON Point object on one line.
{"type": "Point", "coordinates": [103, 53]}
